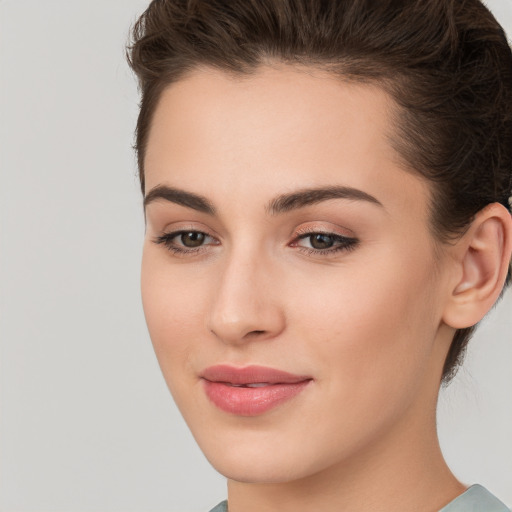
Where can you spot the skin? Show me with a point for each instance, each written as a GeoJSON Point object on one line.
{"type": "Point", "coordinates": [371, 324]}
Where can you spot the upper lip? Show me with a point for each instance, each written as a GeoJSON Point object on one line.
{"type": "Point", "coordinates": [250, 375]}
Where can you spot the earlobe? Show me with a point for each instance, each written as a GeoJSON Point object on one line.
{"type": "Point", "coordinates": [483, 258]}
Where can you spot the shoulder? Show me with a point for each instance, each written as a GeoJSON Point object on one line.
{"type": "Point", "coordinates": [476, 499]}
{"type": "Point", "coordinates": [221, 507]}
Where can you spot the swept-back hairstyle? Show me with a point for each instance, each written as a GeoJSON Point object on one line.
{"type": "Point", "coordinates": [446, 63]}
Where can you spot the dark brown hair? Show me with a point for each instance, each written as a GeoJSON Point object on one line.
{"type": "Point", "coordinates": [446, 63]}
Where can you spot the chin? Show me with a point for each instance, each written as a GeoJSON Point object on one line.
{"type": "Point", "coordinates": [273, 471]}
{"type": "Point", "coordinates": [258, 459]}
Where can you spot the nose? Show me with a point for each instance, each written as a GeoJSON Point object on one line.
{"type": "Point", "coordinates": [245, 305]}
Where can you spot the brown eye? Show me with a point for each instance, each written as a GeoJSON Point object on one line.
{"type": "Point", "coordinates": [321, 241]}
{"type": "Point", "coordinates": [324, 243]}
{"type": "Point", "coordinates": [186, 242]}
{"type": "Point", "coordinates": [192, 238]}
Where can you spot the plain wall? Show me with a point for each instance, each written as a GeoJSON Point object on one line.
{"type": "Point", "coordinates": [87, 423]}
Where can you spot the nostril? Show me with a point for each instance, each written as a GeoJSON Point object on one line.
{"type": "Point", "coordinates": [254, 333]}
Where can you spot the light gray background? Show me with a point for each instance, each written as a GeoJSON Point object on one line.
{"type": "Point", "coordinates": [87, 423]}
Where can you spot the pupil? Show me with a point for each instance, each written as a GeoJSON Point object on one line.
{"type": "Point", "coordinates": [192, 239]}
{"type": "Point", "coordinates": [320, 241]}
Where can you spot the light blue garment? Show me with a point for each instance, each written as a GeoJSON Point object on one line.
{"type": "Point", "coordinates": [475, 499]}
{"type": "Point", "coordinates": [221, 507]}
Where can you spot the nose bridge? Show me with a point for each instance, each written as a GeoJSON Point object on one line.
{"type": "Point", "coordinates": [244, 305]}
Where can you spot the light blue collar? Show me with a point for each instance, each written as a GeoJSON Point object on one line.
{"type": "Point", "coordinates": [474, 499]}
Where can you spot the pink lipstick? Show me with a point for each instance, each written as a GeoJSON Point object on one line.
{"type": "Point", "coordinates": [251, 390]}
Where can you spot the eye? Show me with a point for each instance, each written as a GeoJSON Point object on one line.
{"type": "Point", "coordinates": [321, 241]}
{"type": "Point", "coordinates": [324, 243]}
{"type": "Point", "coordinates": [185, 241]}
{"type": "Point", "coordinates": [192, 238]}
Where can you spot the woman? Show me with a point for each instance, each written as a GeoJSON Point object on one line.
{"type": "Point", "coordinates": [326, 189]}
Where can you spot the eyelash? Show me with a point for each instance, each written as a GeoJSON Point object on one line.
{"type": "Point", "coordinates": [343, 243]}
{"type": "Point", "coordinates": [166, 239]}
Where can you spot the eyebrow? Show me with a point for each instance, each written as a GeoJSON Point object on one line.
{"type": "Point", "coordinates": [305, 197]}
{"type": "Point", "coordinates": [181, 197]}
{"type": "Point", "coordinates": [281, 204]}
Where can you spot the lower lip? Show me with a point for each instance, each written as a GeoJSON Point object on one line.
{"type": "Point", "coordinates": [251, 401]}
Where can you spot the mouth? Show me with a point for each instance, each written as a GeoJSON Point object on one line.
{"type": "Point", "coordinates": [251, 385]}
{"type": "Point", "coordinates": [252, 390]}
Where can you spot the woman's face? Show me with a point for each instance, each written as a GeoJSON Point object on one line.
{"type": "Point", "coordinates": [282, 233]}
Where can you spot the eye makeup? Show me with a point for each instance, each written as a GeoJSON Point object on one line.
{"type": "Point", "coordinates": [312, 242]}
{"type": "Point", "coordinates": [185, 241]}
{"type": "Point", "coordinates": [324, 243]}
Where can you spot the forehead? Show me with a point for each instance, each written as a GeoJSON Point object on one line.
{"type": "Point", "coordinates": [278, 128]}
{"type": "Point", "coordinates": [274, 104]}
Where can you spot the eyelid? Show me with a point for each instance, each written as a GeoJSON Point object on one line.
{"type": "Point", "coordinates": [167, 239]}
{"type": "Point", "coordinates": [342, 242]}
{"type": "Point", "coordinates": [308, 234]}
{"type": "Point", "coordinates": [177, 234]}
{"type": "Point", "coordinates": [174, 227]}
{"type": "Point", "coordinates": [327, 230]}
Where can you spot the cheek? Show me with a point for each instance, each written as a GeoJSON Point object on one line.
{"type": "Point", "coordinates": [174, 308]}
{"type": "Point", "coordinates": [373, 326]}
{"type": "Point", "coordinates": [370, 336]}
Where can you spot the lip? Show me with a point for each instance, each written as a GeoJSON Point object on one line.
{"type": "Point", "coordinates": [227, 388]}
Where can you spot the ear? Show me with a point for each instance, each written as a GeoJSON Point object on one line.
{"type": "Point", "coordinates": [482, 258]}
